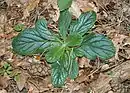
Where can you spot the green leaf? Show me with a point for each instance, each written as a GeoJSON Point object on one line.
{"type": "Point", "coordinates": [58, 74]}
{"type": "Point", "coordinates": [19, 27]}
{"type": "Point", "coordinates": [72, 24]}
{"type": "Point", "coordinates": [72, 65]}
{"type": "Point", "coordinates": [29, 42]}
{"type": "Point", "coordinates": [64, 22]}
{"type": "Point", "coordinates": [9, 68]}
{"type": "Point", "coordinates": [78, 52]}
{"type": "Point", "coordinates": [74, 70]}
{"type": "Point", "coordinates": [6, 65]}
{"type": "Point", "coordinates": [54, 53]}
{"type": "Point", "coordinates": [64, 4]}
{"type": "Point", "coordinates": [8, 72]}
{"type": "Point", "coordinates": [66, 66]}
{"type": "Point", "coordinates": [69, 63]}
{"type": "Point", "coordinates": [33, 40]}
{"type": "Point", "coordinates": [85, 22]}
{"type": "Point", "coordinates": [74, 40]}
{"type": "Point", "coordinates": [42, 30]}
{"type": "Point", "coordinates": [96, 45]}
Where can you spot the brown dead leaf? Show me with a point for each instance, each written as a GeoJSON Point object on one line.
{"type": "Point", "coordinates": [32, 88]}
{"type": "Point", "coordinates": [86, 5]}
{"type": "Point", "coordinates": [56, 15]}
{"type": "Point", "coordinates": [3, 18]}
{"type": "Point", "coordinates": [84, 62]}
{"type": "Point", "coordinates": [101, 84]}
{"type": "Point", "coordinates": [122, 72]}
{"type": "Point", "coordinates": [3, 82]}
{"type": "Point", "coordinates": [3, 91]}
{"type": "Point", "coordinates": [41, 84]}
{"type": "Point", "coordinates": [10, 2]}
{"type": "Point", "coordinates": [118, 42]}
{"type": "Point", "coordinates": [7, 36]}
{"type": "Point", "coordinates": [3, 21]}
{"type": "Point", "coordinates": [126, 47]}
{"type": "Point", "coordinates": [22, 80]}
{"type": "Point", "coordinates": [29, 7]}
{"type": "Point", "coordinates": [75, 9]}
{"type": "Point", "coordinates": [127, 41]}
{"type": "Point", "coordinates": [23, 1]}
{"type": "Point", "coordinates": [85, 75]}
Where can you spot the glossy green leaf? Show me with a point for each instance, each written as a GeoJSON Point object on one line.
{"type": "Point", "coordinates": [33, 40]}
{"type": "Point", "coordinates": [42, 30]}
{"type": "Point", "coordinates": [74, 69]}
{"type": "Point", "coordinates": [72, 64]}
{"type": "Point", "coordinates": [69, 63]}
{"type": "Point", "coordinates": [74, 40]}
{"type": "Point", "coordinates": [64, 4]}
{"type": "Point", "coordinates": [67, 59]}
{"type": "Point", "coordinates": [58, 74]}
{"type": "Point", "coordinates": [29, 42]}
{"type": "Point", "coordinates": [78, 52]}
{"type": "Point", "coordinates": [85, 22]}
{"type": "Point", "coordinates": [96, 45]}
{"type": "Point", "coordinates": [54, 53]}
{"type": "Point", "coordinates": [64, 22]}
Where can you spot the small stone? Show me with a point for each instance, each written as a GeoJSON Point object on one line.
{"type": "Point", "coordinates": [105, 67]}
{"type": "Point", "coordinates": [110, 92]}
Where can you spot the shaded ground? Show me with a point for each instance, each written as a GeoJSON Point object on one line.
{"type": "Point", "coordinates": [32, 74]}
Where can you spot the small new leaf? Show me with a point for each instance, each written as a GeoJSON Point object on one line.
{"type": "Point", "coordinates": [85, 22]}
{"type": "Point", "coordinates": [54, 53]}
{"type": "Point", "coordinates": [74, 40]}
{"type": "Point", "coordinates": [19, 27]}
{"type": "Point", "coordinates": [96, 45]}
{"type": "Point", "coordinates": [64, 4]}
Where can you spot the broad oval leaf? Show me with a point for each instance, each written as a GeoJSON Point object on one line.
{"type": "Point", "coordinates": [84, 23]}
{"type": "Point", "coordinates": [74, 40]}
{"type": "Point", "coordinates": [58, 74]}
{"type": "Point", "coordinates": [29, 42]}
{"type": "Point", "coordinates": [33, 40]}
{"type": "Point", "coordinates": [96, 45]}
{"type": "Point", "coordinates": [64, 4]}
{"type": "Point", "coordinates": [54, 53]}
{"type": "Point", "coordinates": [42, 30]}
{"type": "Point", "coordinates": [64, 22]}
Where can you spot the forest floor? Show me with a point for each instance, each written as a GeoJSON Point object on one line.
{"type": "Point", "coordinates": [30, 74]}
